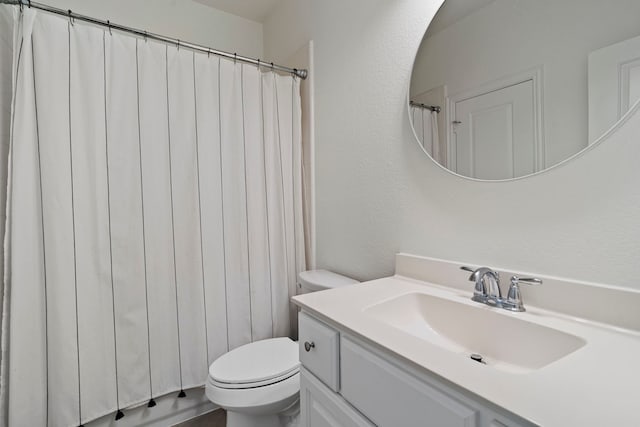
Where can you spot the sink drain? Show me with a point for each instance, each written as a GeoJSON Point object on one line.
{"type": "Point", "coordinates": [477, 358]}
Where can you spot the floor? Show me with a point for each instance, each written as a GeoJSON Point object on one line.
{"type": "Point", "coordinates": [213, 419]}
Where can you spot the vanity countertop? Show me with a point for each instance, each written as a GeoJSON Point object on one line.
{"type": "Point", "coordinates": [597, 385]}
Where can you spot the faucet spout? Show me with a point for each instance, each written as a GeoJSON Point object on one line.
{"type": "Point", "coordinates": [487, 285]}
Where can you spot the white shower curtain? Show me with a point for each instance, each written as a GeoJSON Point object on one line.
{"type": "Point", "coordinates": [154, 218]}
{"type": "Point", "coordinates": [425, 124]}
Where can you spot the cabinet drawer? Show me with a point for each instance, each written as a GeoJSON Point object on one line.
{"type": "Point", "coordinates": [320, 407]}
{"type": "Point", "coordinates": [322, 342]}
{"type": "Point", "coordinates": [390, 397]}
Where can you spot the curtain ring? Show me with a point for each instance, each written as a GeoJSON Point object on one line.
{"type": "Point", "coordinates": [70, 16]}
{"type": "Point", "coordinates": [208, 52]}
{"type": "Point", "coordinates": [235, 57]}
{"type": "Point", "coordinates": [258, 64]}
{"type": "Point", "coordinates": [109, 27]}
{"type": "Point", "coordinates": [272, 66]}
{"type": "Point", "coordinates": [145, 36]}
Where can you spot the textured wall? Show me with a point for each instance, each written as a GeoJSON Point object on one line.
{"type": "Point", "coordinates": [378, 194]}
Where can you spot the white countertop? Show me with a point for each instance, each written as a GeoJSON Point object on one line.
{"type": "Point", "coordinates": [597, 385]}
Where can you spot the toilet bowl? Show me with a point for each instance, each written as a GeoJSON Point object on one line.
{"type": "Point", "coordinates": [258, 384]}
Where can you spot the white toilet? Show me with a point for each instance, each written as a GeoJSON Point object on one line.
{"type": "Point", "coordinates": [259, 383]}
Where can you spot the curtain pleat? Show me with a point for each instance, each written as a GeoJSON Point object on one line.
{"type": "Point", "coordinates": [154, 219]}
{"type": "Point", "coordinates": [417, 120]}
{"type": "Point", "coordinates": [186, 216]}
{"type": "Point", "coordinates": [275, 205]}
{"type": "Point", "coordinates": [234, 205]}
{"type": "Point", "coordinates": [257, 226]}
{"type": "Point", "coordinates": [50, 42]}
{"type": "Point", "coordinates": [126, 225]}
{"type": "Point", "coordinates": [24, 323]}
{"type": "Point", "coordinates": [207, 90]}
{"type": "Point", "coordinates": [156, 182]}
{"type": "Point", "coordinates": [8, 29]}
{"type": "Point", "coordinates": [91, 210]}
{"type": "Point", "coordinates": [425, 124]}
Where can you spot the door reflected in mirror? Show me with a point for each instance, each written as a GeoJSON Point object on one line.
{"type": "Point", "coordinates": [506, 88]}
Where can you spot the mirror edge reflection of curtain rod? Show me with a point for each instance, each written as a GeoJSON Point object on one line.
{"type": "Point", "coordinates": [435, 108]}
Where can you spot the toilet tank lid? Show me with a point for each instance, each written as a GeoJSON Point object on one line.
{"type": "Point", "coordinates": [316, 280]}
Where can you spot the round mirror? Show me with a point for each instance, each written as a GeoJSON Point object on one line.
{"type": "Point", "coordinates": [506, 88]}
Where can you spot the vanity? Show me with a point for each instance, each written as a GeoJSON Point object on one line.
{"type": "Point", "coordinates": [397, 352]}
{"type": "Point", "coordinates": [352, 385]}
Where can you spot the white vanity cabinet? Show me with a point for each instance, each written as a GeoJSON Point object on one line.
{"type": "Point", "coordinates": [348, 383]}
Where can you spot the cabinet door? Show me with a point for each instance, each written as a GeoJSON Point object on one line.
{"type": "Point", "coordinates": [320, 407]}
{"type": "Point", "coordinates": [391, 397]}
{"type": "Point", "coordinates": [322, 358]}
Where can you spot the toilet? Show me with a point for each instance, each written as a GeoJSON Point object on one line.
{"type": "Point", "coordinates": [258, 384]}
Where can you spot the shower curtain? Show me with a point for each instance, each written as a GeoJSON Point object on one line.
{"type": "Point", "coordinates": [154, 218]}
{"type": "Point", "coordinates": [425, 124]}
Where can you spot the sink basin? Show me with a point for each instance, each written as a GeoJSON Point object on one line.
{"type": "Point", "coordinates": [504, 341]}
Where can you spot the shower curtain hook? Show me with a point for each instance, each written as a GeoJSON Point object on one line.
{"type": "Point", "coordinates": [178, 45]}
{"type": "Point", "coordinates": [70, 17]}
{"type": "Point", "coordinates": [109, 27]}
{"type": "Point", "coordinates": [272, 67]}
{"type": "Point", "coordinates": [209, 52]}
{"type": "Point", "coordinates": [145, 36]}
{"type": "Point", "coordinates": [258, 64]}
{"type": "Point", "coordinates": [29, 4]}
{"type": "Point", "coordinates": [235, 57]}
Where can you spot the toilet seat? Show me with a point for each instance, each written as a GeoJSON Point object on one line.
{"type": "Point", "coordinates": [256, 364]}
{"type": "Point", "coordinates": [267, 399]}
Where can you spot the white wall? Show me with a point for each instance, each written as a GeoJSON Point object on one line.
{"type": "Point", "coordinates": [378, 194]}
{"type": "Point", "coordinates": [182, 19]}
{"type": "Point", "coordinates": [507, 37]}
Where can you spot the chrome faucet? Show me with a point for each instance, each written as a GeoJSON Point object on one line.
{"type": "Point", "coordinates": [487, 285]}
{"type": "Point", "coordinates": [487, 288]}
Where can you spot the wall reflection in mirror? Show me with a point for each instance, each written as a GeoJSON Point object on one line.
{"type": "Point", "coordinates": [521, 85]}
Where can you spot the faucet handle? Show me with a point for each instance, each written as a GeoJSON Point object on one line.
{"type": "Point", "coordinates": [514, 297]}
{"type": "Point", "coordinates": [473, 271]}
{"type": "Point", "coordinates": [526, 280]}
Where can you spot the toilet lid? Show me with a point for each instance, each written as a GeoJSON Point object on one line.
{"type": "Point", "coordinates": [257, 362]}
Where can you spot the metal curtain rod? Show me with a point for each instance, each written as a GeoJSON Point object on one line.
{"type": "Point", "coordinates": [74, 16]}
{"type": "Point", "coordinates": [426, 107]}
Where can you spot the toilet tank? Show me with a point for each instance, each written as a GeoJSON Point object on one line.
{"type": "Point", "coordinates": [319, 280]}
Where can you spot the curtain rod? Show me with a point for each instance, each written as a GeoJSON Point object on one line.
{"type": "Point", "coordinates": [426, 107]}
{"type": "Point", "coordinates": [179, 43]}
